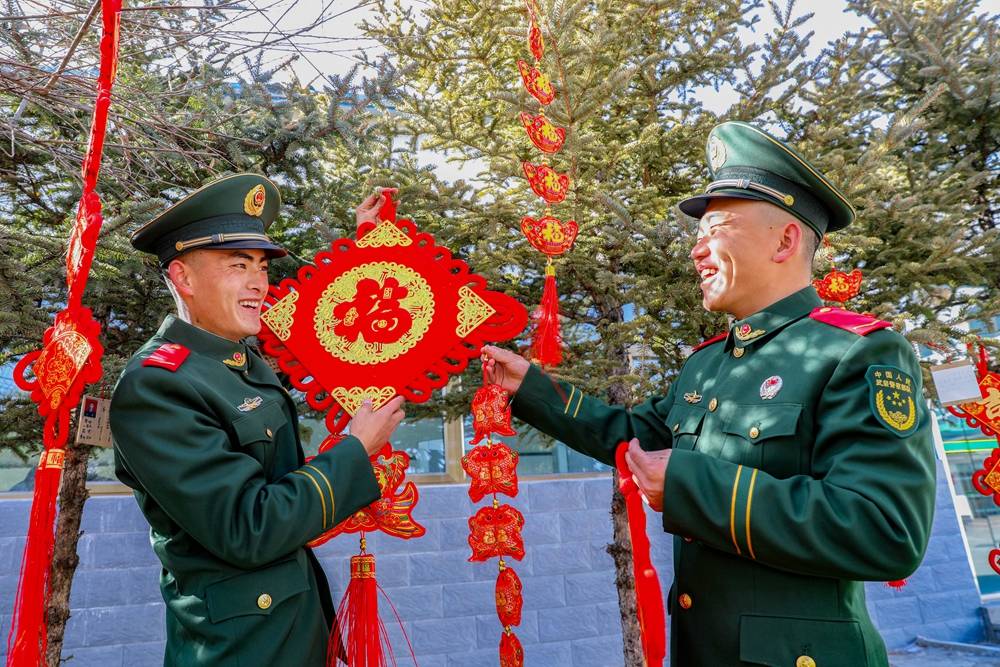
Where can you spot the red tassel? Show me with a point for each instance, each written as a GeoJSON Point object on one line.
{"type": "Point", "coordinates": [28, 637]}
{"type": "Point", "coordinates": [360, 638]}
{"type": "Point", "coordinates": [546, 345]}
{"type": "Point", "coordinates": [896, 583]}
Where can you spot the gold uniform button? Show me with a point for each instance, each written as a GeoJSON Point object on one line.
{"type": "Point", "coordinates": [677, 427]}
{"type": "Point", "coordinates": [264, 601]}
{"type": "Point", "coordinates": [805, 661]}
{"type": "Point", "coordinates": [685, 601]}
{"type": "Point", "coordinates": [754, 431]}
{"type": "Point", "coordinates": [268, 431]}
{"type": "Point", "coordinates": [738, 352]}
{"type": "Point", "coordinates": [713, 404]}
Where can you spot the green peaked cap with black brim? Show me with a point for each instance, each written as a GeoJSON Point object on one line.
{"type": "Point", "coordinates": [232, 212]}
{"type": "Point", "coordinates": [746, 162]}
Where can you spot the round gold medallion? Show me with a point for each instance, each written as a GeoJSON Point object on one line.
{"type": "Point", "coordinates": [805, 661]}
{"type": "Point", "coordinates": [264, 601]}
{"type": "Point", "coordinates": [685, 601]}
{"type": "Point", "coordinates": [253, 204]}
{"type": "Point", "coordinates": [713, 404]}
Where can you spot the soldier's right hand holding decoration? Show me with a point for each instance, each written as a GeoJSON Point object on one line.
{"type": "Point", "coordinates": [504, 367]}
{"type": "Point", "coordinates": [374, 427]}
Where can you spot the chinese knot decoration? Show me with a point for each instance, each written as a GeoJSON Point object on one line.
{"type": "Point", "coordinates": [69, 360]}
{"type": "Point", "coordinates": [838, 286]}
{"type": "Point", "coordinates": [495, 530]}
{"type": "Point", "coordinates": [548, 234]}
{"type": "Point", "coordinates": [390, 313]}
{"type": "Point", "coordinates": [985, 415]}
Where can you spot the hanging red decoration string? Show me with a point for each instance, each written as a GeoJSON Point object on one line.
{"type": "Point", "coordinates": [495, 530]}
{"type": "Point", "coordinates": [548, 234]}
{"type": "Point", "coordinates": [69, 360]}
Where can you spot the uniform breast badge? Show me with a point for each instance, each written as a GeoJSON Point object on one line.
{"type": "Point", "coordinates": [770, 387]}
{"type": "Point", "coordinates": [249, 404]}
{"type": "Point", "coordinates": [746, 332]}
{"type": "Point", "coordinates": [692, 397]}
{"type": "Point", "coordinates": [891, 393]}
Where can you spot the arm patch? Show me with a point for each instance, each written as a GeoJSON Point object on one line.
{"type": "Point", "coordinates": [892, 398]}
{"type": "Point", "coordinates": [169, 356]}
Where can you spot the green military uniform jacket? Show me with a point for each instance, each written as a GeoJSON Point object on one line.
{"type": "Point", "coordinates": [801, 465]}
{"type": "Point", "coordinates": [209, 442]}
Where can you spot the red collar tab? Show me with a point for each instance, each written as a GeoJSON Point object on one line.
{"type": "Point", "coordinates": [169, 356]}
{"type": "Point", "coordinates": [706, 343]}
{"type": "Point", "coordinates": [858, 323]}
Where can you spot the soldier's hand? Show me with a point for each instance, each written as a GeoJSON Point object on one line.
{"type": "Point", "coordinates": [648, 470]}
{"type": "Point", "coordinates": [374, 427]}
{"type": "Point", "coordinates": [504, 367]}
{"type": "Point", "coordinates": [368, 209]}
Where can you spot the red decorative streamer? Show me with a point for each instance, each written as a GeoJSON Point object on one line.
{"type": "Point", "coordinates": [69, 360]}
{"type": "Point", "coordinates": [649, 599]}
{"type": "Point", "coordinates": [546, 344]}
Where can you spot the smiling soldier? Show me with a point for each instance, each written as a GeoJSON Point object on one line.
{"type": "Point", "coordinates": [792, 456]}
{"type": "Point", "coordinates": [208, 440]}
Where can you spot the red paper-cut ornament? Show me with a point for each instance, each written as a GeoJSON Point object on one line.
{"type": "Point", "coordinates": [492, 468]}
{"type": "Point", "coordinates": [546, 182]}
{"type": "Point", "coordinates": [983, 414]}
{"type": "Point", "coordinates": [536, 83]}
{"type": "Point", "coordinates": [543, 134]}
{"type": "Point", "coordinates": [549, 235]}
{"type": "Point", "coordinates": [491, 412]}
{"type": "Point", "coordinates": [839, 286]}
{"type": "Point", "coordinates": [508, 597]}
{"type": "Point", "coordinates": [986, 480]}
{"type": "Point", "coordinates": [496, 532]}
{"type": "Point", "coordinates": [392, 512]}
{"type": "Point", "coordinates": [535, 43]}
{"type": "Point", "coordinates": [511, 652]}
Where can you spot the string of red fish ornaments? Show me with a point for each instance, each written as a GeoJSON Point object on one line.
{"type": "Point", "coordinates": [387, 313]}
{"type": "Point", "coordinates": [548, 234]}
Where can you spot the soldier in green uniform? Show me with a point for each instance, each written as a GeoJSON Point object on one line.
{"type": "Point", "coordinates": [792, 456]}
{"type": "Point", "coordinates": [207, 437]}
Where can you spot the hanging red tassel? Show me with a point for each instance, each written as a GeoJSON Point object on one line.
{"type": "Point", "coordinates": [896, 583]}
{"type": "Point", "coordinates": [359, 638]}
{"type": "Point", "coordinates": [546, 344]}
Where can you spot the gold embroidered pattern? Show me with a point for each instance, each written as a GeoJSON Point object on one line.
{"type": "Point", "coordinates": [253, 204]}
{"type": "Point", "coordinates": [418, 303]}
{"type": "Point", "coordinates": [60, 362]}
{"type": "Point", "coordinates": [745, 332]}
{"type": "Point", "coordinates": [899, 420]}
{"type": "Point", "coordinates": [279, 317]}
{"type": "Point", "coordinates": [732, 511]}
{"type": "Point", "coordinates": [236, 360]}
{"type": "Point", "coordinates": [692, 397]}
{"type": "Point", "coordinates": [472, 311]}
{"type": "Point", "coordinates": [350, 398]}
{"type": "Point", "coordinates": [384, 235]}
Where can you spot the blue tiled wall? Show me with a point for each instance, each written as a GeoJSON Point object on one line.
{"type": "Point", "coordinates": [571, 611]}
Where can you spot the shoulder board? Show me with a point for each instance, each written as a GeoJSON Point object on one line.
{"type": "Point", "coordinates": [169, 356]}
{"type": "Point", "coordinates": [706, 343]}
{"type": "Point", "coordinates": [858, 323]}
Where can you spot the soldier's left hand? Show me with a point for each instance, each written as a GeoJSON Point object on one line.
{"type": "Point", "coordinates": [648, 470]}
{"type": "Point", "coordinates": [368, 209]}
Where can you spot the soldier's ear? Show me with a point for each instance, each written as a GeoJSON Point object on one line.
{"type": "Point", "coordinates": [180, 274]}
{"type": "Point", "coordinates": [789, 241]}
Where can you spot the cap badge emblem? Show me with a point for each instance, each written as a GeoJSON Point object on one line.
{"type": "Point", "coordinates": [692, 397]}
{"type": "Point", "coordinates": [716, 152]}
{"type": "Point", "coordinates": [770, 387]}
{"type": "Point", "coordinates": [254, 202]}
{"type": "Point", "coordinates": [236, 360]}
{"type": "Point", "coordinates": [249, 404]}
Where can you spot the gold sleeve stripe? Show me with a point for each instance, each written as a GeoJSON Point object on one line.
{"type": "Point", "coordinates": [329, 488]}
{"type": "Point", "coordinates": [578, 404]}
{"type": "Point", "coordinates": [572, 390]}
{"type": "Point", "coordinates": [753, 478]}
{"type": "Point", "coordinates": [732, 511]}
{"type": "Point", "coordinates": [322, 501]}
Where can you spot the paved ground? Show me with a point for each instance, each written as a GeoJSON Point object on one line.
{"type": "Point", "coordinates": [917, 656]}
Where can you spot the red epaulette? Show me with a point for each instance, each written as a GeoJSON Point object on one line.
{"type": "Point", "coordinates": [858, 323]}
{"type": "Point", "coordinates": [169, 356]}
{"type": "Point", "coordinates": [706, 343]}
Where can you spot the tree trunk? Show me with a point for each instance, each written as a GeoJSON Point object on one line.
{"type": "Point", "coordinates": [72, 496]}
{"type": "Point", "coordinates": [621, 552]}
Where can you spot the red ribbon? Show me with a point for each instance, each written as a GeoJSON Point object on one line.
{"type": "Point", "coordinates": [648, 597]}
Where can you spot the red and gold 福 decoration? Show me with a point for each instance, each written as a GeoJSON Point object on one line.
{"type": "Point", "coordinates": [548, 234]}
{"type": "Point", "coordinates": [388, 313]}
{"type": "Point", "coordinates": [69, 360]}
{"type": "Point", "coordinates": [984, 414]}
{"type": "Point", "coordinates": [837, 286]}
{"type": "Point", "coordinates": [495, 530]}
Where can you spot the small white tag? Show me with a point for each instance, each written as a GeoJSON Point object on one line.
{"type": "Point", "coordinates": [956, 383]}
{"type": "Point", "coordinates": [93, 425]}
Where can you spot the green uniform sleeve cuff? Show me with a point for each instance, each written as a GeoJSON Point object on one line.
{"type": "Point", "coordinates": [535, 396]}
{"type": "Point", "coordinates": [352, 482]}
